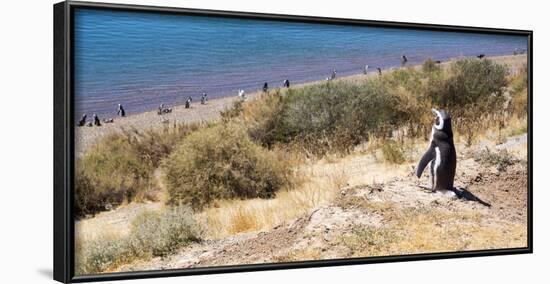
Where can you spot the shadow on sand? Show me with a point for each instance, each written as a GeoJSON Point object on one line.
{"type": "Point", "coordinates": [462, 192]}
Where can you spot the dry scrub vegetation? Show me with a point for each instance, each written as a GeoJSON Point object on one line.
{"type": "Point", "coordinates": [278, 156]}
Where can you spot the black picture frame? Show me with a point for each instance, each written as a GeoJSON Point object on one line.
{"type": "Point", "coordinates": [64, 150]}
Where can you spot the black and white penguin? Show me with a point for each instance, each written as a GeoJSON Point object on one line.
{"type": "Point", "coordinates": [204, 98]}
{"type": "Point", "coordinates": [441, 154]}
{"type": "Point", "coordinates": [82, 121]}
{"type": "Point", "coordinates": [265, 87]}
{"type": "Point", "coordinates": [333, 74]}
{"type": "Point", "coordinates": [161, 108]}
{"type": "Point", "coordinates": [480, 56]}
{"type": "Point", "coordinates": [286, 83]}
{"type": "Point", "coordinates": [404, 59]}
{"type": "Point", "coordinates": [120, 111]}
{"type": "Point", "coordinates": [366, 69]}
{"type": "Point", "coordinates": [188, 102]}
{"type": "Point", "coordinates": [97, 122]}
{"type": "Point", "coordinates": [379, 70]}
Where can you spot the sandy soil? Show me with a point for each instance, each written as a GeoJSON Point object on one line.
{"type": "Point", "coordinates": [87, 136]}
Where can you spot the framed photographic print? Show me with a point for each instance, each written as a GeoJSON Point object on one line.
{"type": "Point", "coordinates": [198, 141]}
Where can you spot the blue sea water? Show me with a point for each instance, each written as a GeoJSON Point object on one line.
{"type": "Point", "coordinates": [142, 59]}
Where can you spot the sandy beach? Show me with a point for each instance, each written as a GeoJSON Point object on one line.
{"type": "Point", "coordinates": [87, 136]}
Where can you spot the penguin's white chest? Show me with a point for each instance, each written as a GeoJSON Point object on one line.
{"type": "Point", "coordinates": [437, 162]}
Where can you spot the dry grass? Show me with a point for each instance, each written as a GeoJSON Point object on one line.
{"type": "Point", "coordinates": [229, 217]}
{"type": "Point", "coordinates": [151, 233]}
{"type": "Point", "coordinates": [300, 255]}
{"type": "Point", "coordinates": [429, 230]}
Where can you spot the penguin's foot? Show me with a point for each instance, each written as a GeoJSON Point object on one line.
{"type": "Point", "coordinates": [427, 188]}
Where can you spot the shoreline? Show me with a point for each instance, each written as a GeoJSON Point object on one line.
{"type": "Point", "coordinates": [86, 136]}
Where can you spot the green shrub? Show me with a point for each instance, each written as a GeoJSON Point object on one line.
{"type": "Point", "coordinates": [159, 234]}
{"type": "Point", "coordinates": [108, 174]}
{"type": "Point", "coordinates": [222, 162]}
{"type": "Point", "coordinates": [339, 115]}
{"type": "Point", "coordinates": [472, 82]}
{"type": "Point", "coordinates": [151, 234]}
{"type": "Point", "coordinates": [473, 93]}
{"type": "Point", "coordinates": [120, 167]}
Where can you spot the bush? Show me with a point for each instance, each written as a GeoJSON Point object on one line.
{"type": "Point", "coordinates": [520, 101]}
{"type": "Point", "coordinates": [393, 153]}
{"type": "Point", "coordinates": [221, 162]}
{"type": "Point", "coordinates": [472, 82]}
{"type": "Point", "coordinates": [120, 167]}
{"type": "Point", "coordinates": [159, 234]}
{"type": "Point", "coordinates": [472, 92]}
{"type": "Point", "coordinates": [430, 66]}
{"type": "Point", "coordinates": [108, 174]}
{"type": "Point", "coordinates": [151, 234]}
{"type": "Point", "coordinates": [501, 158]}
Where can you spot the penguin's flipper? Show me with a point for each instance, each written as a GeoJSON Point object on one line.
{"type": "Point", "coordinates": [428, 156]}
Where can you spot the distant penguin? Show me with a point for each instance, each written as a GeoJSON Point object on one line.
{"type": "Point", "coordinates": [286, 83]}
{"type": "Point", "coordinates": [438, 62]}
{"type": "Point", "coordinates": [441, 154]}
{"type": "Point", "coordinates": [480, 56]}
{"type": "Point", "coordinates": [97, 122]}
{"type": "Point", "coordinates": [82, 121]}
{"type": "Point", "coordinates": [188, 102]}
{"type": "Point", "coordinates": [366, 70]}
{"type": "Point", "coordinates": [241, 94]}
{"type": "Point", "coordinates": [379, 70]}
{"type": "Point", "coordinates": [204, 98]}
{"type": "Point", "coordinates": [120, 111]}
{"type": "Point", "coordinates": [333, 74]}
{"type": "Point", "coordinates": [161, 106]}
{"type": "Point", "coordinates": [404, 59]}
{"type": "Point", "coordinates": [265, 87]}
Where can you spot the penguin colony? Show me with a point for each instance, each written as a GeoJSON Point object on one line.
{"type": "Point", "coordinates": [286, 84]}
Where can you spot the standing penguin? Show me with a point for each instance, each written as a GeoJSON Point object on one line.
{"type": "Point", "coordinates": [120, 111]}
{"type": "Point", "coordinates": [188, 102]}
{"type": "Point", "coordinates": [82, 121]}
{"type": "Point", "coordinates": [441, 154]}
{"type": "Point", "coordinates": [97, 122]}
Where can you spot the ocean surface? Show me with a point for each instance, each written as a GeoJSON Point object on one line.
{"type": "Point", "coordinates": [143, 59]}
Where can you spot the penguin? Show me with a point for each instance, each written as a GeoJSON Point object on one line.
{"type": "Point", "coordinates": [366, 69]}
{"type": "Point", "coordinates": [82, 121]}
{"type": "Point", "coordinates": [333, 74]}
{"type": "Point", "coordinates": [120, 111]}
{"type": "Point", "coordinates": [480, 56]}
{"type": "Point", "coordinates": [379, 70]}
{"type": "Point", "coordinates": [286, 83]}
{"type": "Point", "coordinates": [188, 102]}
{"type": "Point", "coordinates": [97, 122]}
{"type": "Point", "coordinates": [404, 59]}
{"type": "Point", "coordinates": [265, 88]}
{"type": "Point", "coordinates": [441, 154]}
{"type": "Point", "coordinates": [204, 98]}
{"type": "Point", "coordinates": [241, 95]}
{"type": "Point", "coordinates": [161, 108]}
